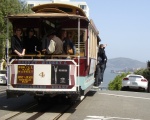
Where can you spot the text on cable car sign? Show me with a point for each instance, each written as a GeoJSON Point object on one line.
{"type": "Point", "coordinates": [25, 74]}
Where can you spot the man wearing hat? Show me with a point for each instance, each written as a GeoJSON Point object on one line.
{"type": "Point", "coordinates": [54, 44]}
{"type": "Point", "coordinates": [101, 66]}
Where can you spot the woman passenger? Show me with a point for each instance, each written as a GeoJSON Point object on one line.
{"type": "Point", "coordinates": [31, 42]}
{"type": "Point", "coordinates": [17, 43]}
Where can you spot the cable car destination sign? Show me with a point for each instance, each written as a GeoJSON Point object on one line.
{"type": "Point", "coordinates": [25, 74]}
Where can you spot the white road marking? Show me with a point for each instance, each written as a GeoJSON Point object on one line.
{"type": "Point", "coordinates": [107, 118]}
{"type": "Point", "coordinates": [125, 96]}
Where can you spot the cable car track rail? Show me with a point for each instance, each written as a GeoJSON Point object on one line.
{"type": "Point", "coordinates": [44, 110]}
{"type": "Point", "coordinates": [12, 115]}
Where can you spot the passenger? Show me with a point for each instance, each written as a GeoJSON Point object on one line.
{"type": "Point", "coordinates": [54, 44]}
{"type": "Point", "coordinates": [68, 45]}
{"type": "Point", "coordinates": [63, 35]}
{"type": "Point", "coordinates": [32, 44]}
{"type": "Point", "coordinates": [45, 43]}
{"type": "Point", "coordinates": [101, 66]}
{"type": "Point", "coordinates": [17, 44]}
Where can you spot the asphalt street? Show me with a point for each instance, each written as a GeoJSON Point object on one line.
{"type": "Point", "coordinates": [97, 105]}
{"type": "Point", "coordinates": [113, 105]}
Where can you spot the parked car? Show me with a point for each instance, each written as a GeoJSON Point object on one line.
{"type": "Point", "coordinates": [135, 82]}
{"type": "Point", "coordinates": [3, 77]}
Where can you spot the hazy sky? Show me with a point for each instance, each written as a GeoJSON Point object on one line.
{"type": "Point", "coordinates": [124, 25]}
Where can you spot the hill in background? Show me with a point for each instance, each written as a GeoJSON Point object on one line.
{"type": "Point", "coordinates": [125, 63]}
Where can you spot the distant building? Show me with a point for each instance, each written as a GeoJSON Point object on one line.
{"type": "Point", "coordinates": [82, 5]}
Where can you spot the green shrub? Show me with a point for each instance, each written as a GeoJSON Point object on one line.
{"type": "Point", "coordinates": [116, 84]}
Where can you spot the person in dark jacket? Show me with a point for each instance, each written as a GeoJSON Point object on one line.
{"type": "Point", "coordinates": [68, 44]}
{"type": "Point", "coordinates": [17, 44]}
{"type": "Point", "coordinates": [101, 66]}
{"type": "Point", "coordinates": [32, 43]}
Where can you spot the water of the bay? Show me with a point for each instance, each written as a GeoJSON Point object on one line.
{"type": "Point", "coordinates": [108, 76]}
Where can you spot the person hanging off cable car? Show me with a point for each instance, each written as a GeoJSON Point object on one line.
{"type": "Point", "coordinates": [101, 66]}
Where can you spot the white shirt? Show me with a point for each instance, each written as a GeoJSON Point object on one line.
{"type": "Point", "coordinates": [51, 47]}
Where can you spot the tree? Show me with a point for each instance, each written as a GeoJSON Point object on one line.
{"type": "Point", "coordinates": [144, 72]}
{"type": "Point", "coordinates": [8, 7]}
